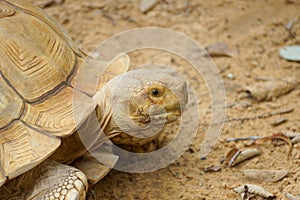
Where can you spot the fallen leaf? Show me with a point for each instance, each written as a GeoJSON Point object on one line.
{"type": "Point", "coordinates": [272, 89]}
{"type": "Point", "coordinates": [291, 135]}
{"type": "Point", "coordinates": [292, 197]}
{"type": "Point", "coordinates": [246, 154]}
{"type": "Point", "coordinates": [236, 156]}
{"type": "Point", "coordinates": [294, 136]}
{"type": "Point", "coordinates": [231, 156]}
{"type": "Point", "coordinates": [296, 140]}
{"type": "Point", "coordinates": [219, 49]}
{"type": "Point", "coordinates": [213, 168]}
{"type": "Point", "coordinates": [278, 121]}
{"type": "Point", "coordinates": [248, 191]}
{"type": "Point", "coordinates": [146, 5]}
{"type": "Point", "coordinates": [265, 175]}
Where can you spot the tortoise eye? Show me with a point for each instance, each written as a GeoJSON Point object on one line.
{"type": "Point", "coordinates": [155, 92]}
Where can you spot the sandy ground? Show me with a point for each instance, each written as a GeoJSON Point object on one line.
{"type": "Point", "coordinates": [255, 30]}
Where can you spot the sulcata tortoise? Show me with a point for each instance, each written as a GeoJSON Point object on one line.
{"type": "Point", "coordinates": [42, 155]}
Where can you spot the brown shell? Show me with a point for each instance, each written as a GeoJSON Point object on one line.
{"type": "Point", "coordinates": [38, 61]}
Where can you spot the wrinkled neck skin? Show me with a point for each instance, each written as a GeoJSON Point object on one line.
{"type": "Point", "coordinates": [104, 111]}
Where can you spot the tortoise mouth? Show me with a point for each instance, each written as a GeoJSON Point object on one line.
{"type": "Point", "coordinates": [160, 115]}
{"type": "Point", "coordinates": [167, 117]}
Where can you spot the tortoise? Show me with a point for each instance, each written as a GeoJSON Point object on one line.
{"type": "Point", "coordinates": [42, 155]}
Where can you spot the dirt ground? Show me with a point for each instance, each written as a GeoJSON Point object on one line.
{"type": "Point", "coordinates": [256, 30]}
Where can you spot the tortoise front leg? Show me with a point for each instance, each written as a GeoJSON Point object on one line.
{"type": "Point", "coordinates": [50, 180]}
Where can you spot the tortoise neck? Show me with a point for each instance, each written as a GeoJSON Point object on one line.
{"type": "Point", "coordinates": [104, 110]}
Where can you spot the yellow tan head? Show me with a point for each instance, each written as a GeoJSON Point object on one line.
{"type": "Point", "coordinates": [155, 101]}
{"type": "Point", "coordinates": [142, 102]}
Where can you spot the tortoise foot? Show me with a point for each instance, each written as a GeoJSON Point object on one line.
{"type": "Point", "coordinates": [50, 180]}
{"type": "Point", "coordinates": [60, 181]}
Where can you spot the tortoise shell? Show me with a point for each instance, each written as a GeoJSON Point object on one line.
{"type": "Point", "coordinates": [38, 66]}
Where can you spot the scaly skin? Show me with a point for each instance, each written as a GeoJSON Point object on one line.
{"type": "Point", "coordinates": [137, 104]}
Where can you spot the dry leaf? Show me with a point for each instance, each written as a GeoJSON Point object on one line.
{"type": "Point", "coordinates": [292, 197]}
{"type": "Point", "coordinates": [246, 154]}
{"type": "Point", "coordinates": [295, 137]}
{"type": "Point", "coordinates": [265, 175]}
{"type": "Point", "coordinates": [146, 5]}
{"type": "Point", "coordinates": [296, 140]}
{"type": "Point", "coordinates": [272, 89]}
{"type": "Point", "coordinates": [236, 156]}
{"type": "Point", "coordinates": [278, 121]}
{"type": "Point", "coordinates": [219, 49]}
{"type": "Point", "coordinates": [291, 135]}
{"type": "Point", "coordinates": [213, 168]}
{"type": "Point", "coordinates": [248, 191]}
{"type": "Point", "coordinates": [231, 156]}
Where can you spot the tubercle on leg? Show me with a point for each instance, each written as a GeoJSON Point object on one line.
{"type": "Point", "coordinates": [74, 184]}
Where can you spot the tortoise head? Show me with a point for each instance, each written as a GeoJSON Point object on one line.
{"type": "Point", "coordinates": [150, 96]}
{"type": "Point", "coordinates": [140, 102]}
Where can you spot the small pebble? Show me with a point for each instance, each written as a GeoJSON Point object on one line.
{"type": "Point", "coordinates": [230, 76]}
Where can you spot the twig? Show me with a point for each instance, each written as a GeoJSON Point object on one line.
{"type": "Point", "coordinates": [290, 135]}
{"type": "Point", "coordinates": [261, 116]}
{"type": "Point", "coordinates": [280, 136]}
{"type": "Point", "coordinates": [254, 138]}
